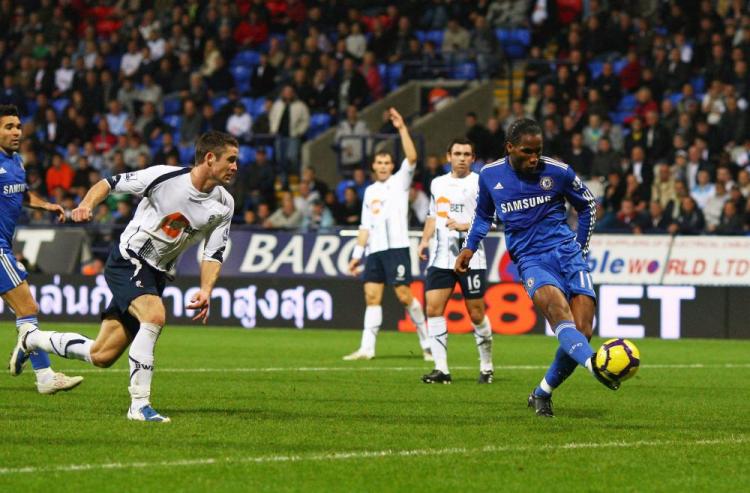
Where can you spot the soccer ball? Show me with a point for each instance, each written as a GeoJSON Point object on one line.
{"type": "Point", "coordinates": [618, 359]}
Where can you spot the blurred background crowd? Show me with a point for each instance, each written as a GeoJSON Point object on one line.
{"type": "Point", "coordinates": [647, 100]}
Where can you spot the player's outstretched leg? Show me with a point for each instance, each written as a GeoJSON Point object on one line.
{"type": "Point", "coordinates": [47, 380]}
{"type": "Point", "coordinates": [438, 330]}
{"type": "Point", "coordinates": [373, 320]}
{"type": "Point", "coordinates": [141, 360]}
{"type": "Point", "coordinates": [483, 338]}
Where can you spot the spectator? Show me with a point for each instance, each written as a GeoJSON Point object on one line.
{"type": "Point", "coordinates": [658, 220]}
{"type": "Point", "coordinates": [286, 216]}
{"type": "Point", "coordinates": [309, 175]}
{"type": "Point", "coordinates": [167, 149]}
{"type": "Point", "coordinates": [263, 79]}
{"type": "Point", "coordinates": [456, 41]}
{"type": "Point", "coordinates": [352, 140]}
{"type": "Point", "coordinates": [663, 188]}
{"type": "Point", "coordinates": [689, 220]}
{"type": "Point", "coordinates": [480, 136]}
{"type": "Point", "coordinates": [486, 48]}
{"type": "Point", "coordinates": [104, 140]}
{"type": "Point", "coordinates": [605, 160]}
{"type": "Point", "coordinates": [149, 125]}
{"type": "Point", "coordinates": [580, 157]}
{"type": "Point", "coordinates": [240, 123]}
{"type": "Point", "coordinates": [349, 210]}
{"type": "Point", "coordinates": [134, 149]}
{"type": "Point", "coordinates": [192, 123]}
{"type": "Point", "coordinates": [369, 70]}
{"type": "Point", "coordinates": [319, 217]}
{"type": "Point", "coordinates": [151, 93]}
{"type": "Point", "coordinates": [290, 119]}
{"type": "Point", "coordinates": [351, 87]}
{"type": "Point", "coordinates": [127, 96]}
{"type": "Point", "coordinates": [131, 60]}
{"type": "Point", "coordinates": [116, 118]}
{"type": "Point", "coordinates": [730, 222]}
{"type": "Point", "coordinates": [715, 205]}
{"type": "Point", "coordinates": [703, 189]}
{"type": "Point", "coordinates": [629, 219]}
{"type": "Point", "coordinates": [59, 174]}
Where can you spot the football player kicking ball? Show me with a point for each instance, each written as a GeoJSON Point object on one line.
{"type": "Point", "coordinates": [385, 229]}
{"type": "Point", "coordinates": [179, 207]}
{"type": "Point", "coordinates": [453, 198]}
{"type": "Point", "coordinates": [13, 286]}
{"type": "Point", "coordinates": [527, 191]}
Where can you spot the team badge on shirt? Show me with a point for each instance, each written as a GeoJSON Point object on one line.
{"type": "Point", "coordinates": [546, 183]}
{"type": "Point", "coordinates": [530, 282]}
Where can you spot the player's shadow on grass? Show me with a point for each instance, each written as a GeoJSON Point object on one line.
{"type": "Point", "coordinates": [404, 357]}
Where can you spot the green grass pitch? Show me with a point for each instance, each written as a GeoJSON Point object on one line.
{"type": "Point", "coordinates": [278, 410]}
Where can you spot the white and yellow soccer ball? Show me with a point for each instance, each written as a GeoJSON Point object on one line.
{"type": "Point", "coordinates": [618, 359]}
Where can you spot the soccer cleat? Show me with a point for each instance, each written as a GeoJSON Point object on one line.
{"type": "Point", "coordinates": [17, 359]}
{"type": "Point", "coordinates": [437, 376]}
{"type": "Point", "coordinates": [610, 384]}
{"type": "Point", "coordinates": [486, 376]}
{"type": "Point", "coordinates": [147, 413]}
{"type": "Point", "coordinates": [427, 355]}
{"type": "Point", "coordinates": [542, 405]}
{"type": "Point", "coordinates": [19, 355]}
{"type": "Point", "coordinates": [59, 382]}
{"type": "Point", "coordinates": [358, 355]}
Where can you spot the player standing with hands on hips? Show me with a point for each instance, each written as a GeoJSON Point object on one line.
{"type": "Point", "coordinates": [527, 191]}
{"type": "Point", "coordinates": [385, 230]}
{"type": "Point", "coordinates": [453, 198]}
{"type": "Point", "coordinates": [179, 206]}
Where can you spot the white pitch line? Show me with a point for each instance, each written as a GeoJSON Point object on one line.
{"type": "Point", "coordinates": [500, 368]}
{"type": "Point", "coordinates": [368, 454]}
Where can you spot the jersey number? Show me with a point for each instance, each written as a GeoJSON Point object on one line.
{"type": "Point", "coordinates": [474, 282]}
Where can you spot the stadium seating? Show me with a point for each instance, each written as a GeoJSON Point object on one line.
{"type": "Point", "coordinates": [246, 155]}
{"type": "Point", "coordinates": [172, 106]}
{"type": "Point", "coordinates": [515, 42]}
{"type": "Point", "coordinates": [319, 122]}
{"type": "Point", "coordinates": [246, 58]}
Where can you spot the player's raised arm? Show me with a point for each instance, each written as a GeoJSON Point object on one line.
{"type": "Point", "coordinates": [585, 204]}
{"type": "Point", "coordinates": [410, 151]}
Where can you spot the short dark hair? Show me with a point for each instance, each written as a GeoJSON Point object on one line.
{"type": "Point", "coordinates": [215, 142]}
{"type": "Point", "coordinates": [8, 110]}
{"type": "Point", "coordinates": [461, 141]}
{"type": "Point", "coordinates": [521, 127]}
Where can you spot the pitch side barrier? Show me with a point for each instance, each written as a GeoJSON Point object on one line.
{"type": "Point", "coordinates": [655, 286]}
{"type": "Point", "coordinates": [632, 311]}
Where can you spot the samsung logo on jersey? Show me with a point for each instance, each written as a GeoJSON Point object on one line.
{"type": "Point", "coordinates": [15, 188]}
{"type": "Point", "coordinates": [527, 203]}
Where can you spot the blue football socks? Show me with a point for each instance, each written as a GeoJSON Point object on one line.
{"type": "Point", "coordinates": [573, 343]}
{"type": "Point", "coordinates": [39, 359]}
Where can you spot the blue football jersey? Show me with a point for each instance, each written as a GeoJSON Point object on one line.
{"type": "Point", "coordinates": [532, 208]}
{"type": "Point", "coordinates": [13, 187]}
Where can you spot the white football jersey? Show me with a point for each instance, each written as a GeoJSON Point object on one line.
{"type": "Point", "coordinates": [172, 215]}
{"type": "Point", "coordinates": [385, 210]}
{"type": "Point", "coordinates": [453, 198]}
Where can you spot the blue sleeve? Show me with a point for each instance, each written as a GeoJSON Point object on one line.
{"type": "Point", "coordinates": [483, 216]}
{"type": "Point", "coordinates": [585, 204]}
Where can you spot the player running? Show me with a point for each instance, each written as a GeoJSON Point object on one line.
{"type": "Point", "coordinates": [527, 191]}
{"type": "Point", "coordinates": [179, 206]}
{"type": "Point", "coordinates": [13, 286]}
{"type": "Point", "coordinates": [385, 230]}
{"type": "Point", "coordinates": [452, 203]}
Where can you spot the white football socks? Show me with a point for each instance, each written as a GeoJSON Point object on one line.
{"type": "Point", "coordinates": [417, 316]}
{"type": "Point", "coordinates": [438, 331]}
{"type": "Point", "coordinates": [64, 344]}
{"type": "Point", "coordinates": [483, 337]}
{"type": "Point", "coordinates": [141, 360]}
{"type": "Point", "coordinates": [373, 321]}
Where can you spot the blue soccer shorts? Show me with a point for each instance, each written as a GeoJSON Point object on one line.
{"type": "Point", "coordinates": [12, 272]}
{"type": "Point", "coordinates": [562, 267]}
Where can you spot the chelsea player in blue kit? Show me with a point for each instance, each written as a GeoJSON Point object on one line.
{"type": "Point", "coordinates": [527, 191]}
{"type": "Point", "coordinates": [13, 286]}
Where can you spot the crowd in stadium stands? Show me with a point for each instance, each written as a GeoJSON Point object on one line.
{"type": "Point", "coordinates": [647, 100]}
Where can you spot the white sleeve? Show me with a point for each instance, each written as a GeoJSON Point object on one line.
{"type": "Point", "coordinates": [366, 218]}
{"type": "Point", "coordinates": [139, 182]}
{"type": "Point", "coordinates": [405, 174]}
{"type": "Point", "coordinates": [216, 240]}
{"type": "Point", "coordinates": [432, 211]}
